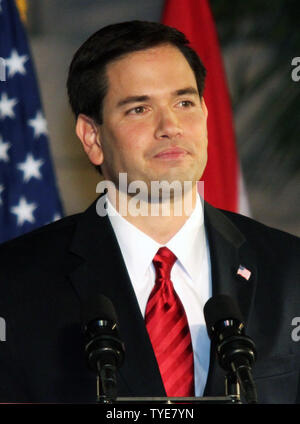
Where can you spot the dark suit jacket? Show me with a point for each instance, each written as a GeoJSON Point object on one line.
{"type": "Point", "coordinates": [46, 275]}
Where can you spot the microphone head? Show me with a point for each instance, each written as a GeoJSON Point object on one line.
{"type": "Point", "coordinates": [220, 308]}
{"type": "Point", "coordinates": [100, 327]}
{"type": "Point", "coordinates": [98, 307]}
{"type": "Point", "coordinates": [235, 351]}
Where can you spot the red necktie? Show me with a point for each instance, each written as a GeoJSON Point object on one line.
{"type": "Point", "coordinates": [169, 331]}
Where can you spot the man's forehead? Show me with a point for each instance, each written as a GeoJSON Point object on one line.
{"type": "Point", "coordinates": [164, 48]}
{"type": "Point", "coordinates": [147, 68]}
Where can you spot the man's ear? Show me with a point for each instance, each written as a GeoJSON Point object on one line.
{"type": "Point", "coordinates": [88, 133]}
{"type": "Point", "coordinates": [203, 106]}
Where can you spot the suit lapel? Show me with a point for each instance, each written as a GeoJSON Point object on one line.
{"type": "Point", "coordinates": [103, 270]}
{"type": "Point", "coordinates": [228, 250]}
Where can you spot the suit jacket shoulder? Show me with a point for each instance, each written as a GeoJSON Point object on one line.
{"type": "Point", "coordinates": [260, 232]}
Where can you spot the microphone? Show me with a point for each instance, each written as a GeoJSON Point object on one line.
{"type": "Point", "coordinates": [236, 352]}
{"type": "Point", "coordinates": [103, 348]}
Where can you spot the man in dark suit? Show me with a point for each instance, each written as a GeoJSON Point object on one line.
{"type": "Point", "coordinates": [136, 91]}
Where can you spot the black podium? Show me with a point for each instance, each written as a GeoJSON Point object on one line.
{"type": "Point", "coordinates": [180, 400]}
{"type": "Point", "coordinates": [232, 396]}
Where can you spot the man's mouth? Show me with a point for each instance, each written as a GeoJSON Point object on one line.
{"type": "Point", "coordinates": [171, 153]}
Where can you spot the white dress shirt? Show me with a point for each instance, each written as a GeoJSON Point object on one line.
{"type": "Point", "coordinates": [191, 275]}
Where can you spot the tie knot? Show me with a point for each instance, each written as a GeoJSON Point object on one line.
{"type": "Point", "coordinates": [163, 262]}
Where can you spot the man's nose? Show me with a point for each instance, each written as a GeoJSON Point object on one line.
{"type": "Point", "coordinates": [167, 124]}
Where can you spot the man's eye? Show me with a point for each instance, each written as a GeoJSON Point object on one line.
{"type": "Point", "coordinates": [186, 103]}
{"type": "Point", "coordinates": [136, 110]}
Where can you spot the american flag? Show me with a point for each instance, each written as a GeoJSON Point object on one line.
{"type": "Point", "coordinates": [28, 193]}
{"type": "Point", "coordinates": [244, 272]}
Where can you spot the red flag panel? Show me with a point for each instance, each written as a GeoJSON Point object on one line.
{"type": "Point", "coordinates": [195, 20]}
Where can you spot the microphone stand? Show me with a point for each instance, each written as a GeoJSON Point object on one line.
{"type": "Point", "coordinates": [232, 387]}
{"type": "Point", "coordinates": [107, 382]}
{"type": "Point", "coordinates": [101, 396]}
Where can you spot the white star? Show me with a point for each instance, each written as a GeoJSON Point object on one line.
{"type": "Point", "coordinates": [31, 168]}
{"type": "Point", "coordinates": [24, 211]}
{"type": "Point", "coordinates": [1, 189]}
{"type": "Point", "coordinates": [6, 106]}
{"type": "Point", "coordinates": [39, 124]}
{"type": "Point", "coordinates": [3, 150]}
{"type": "Point", "coordinates": [15, 63]}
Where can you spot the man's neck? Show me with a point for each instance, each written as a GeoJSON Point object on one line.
{"type": "Point", "coordinates": [160, 221]}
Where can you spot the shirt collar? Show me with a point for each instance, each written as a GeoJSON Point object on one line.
{"type": "Point", "coordinates": [189, 242]}
{"type": "Point", "coordinates": [138, 249]}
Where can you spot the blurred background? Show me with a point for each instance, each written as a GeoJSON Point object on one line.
{"type": "Point", "coordinates": [258, 41]}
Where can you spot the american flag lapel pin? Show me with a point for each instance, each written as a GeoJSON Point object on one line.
{"type": "Point", "coordinates": [243, 272]}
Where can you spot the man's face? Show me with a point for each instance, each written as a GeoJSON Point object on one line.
{"type": "Point", "coordinates": [154, 122]}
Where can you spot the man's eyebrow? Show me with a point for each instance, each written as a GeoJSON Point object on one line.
{"type": "Point", "coordinates": [187, 90]}
{"type": "Point", "coordinates": [132, 99]}
{"type": "Point", "coordinates": [144, 98]}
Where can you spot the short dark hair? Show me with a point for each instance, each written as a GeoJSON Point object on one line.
{"type": "Point", "coordinates": [87, 82]}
